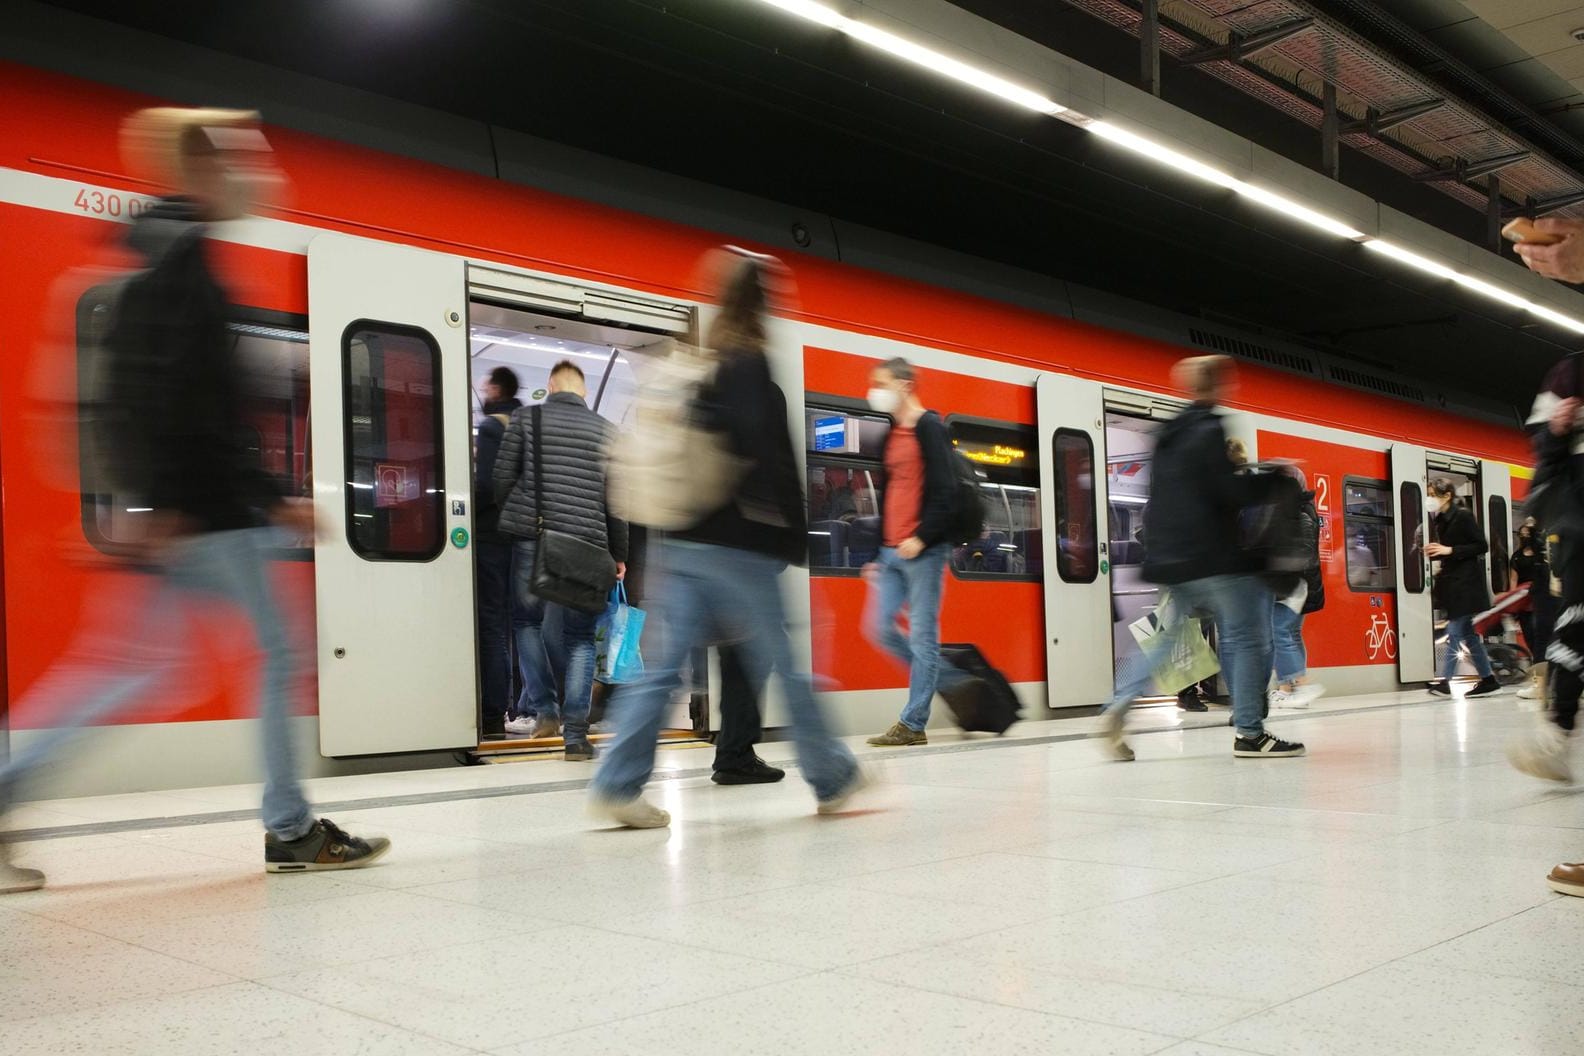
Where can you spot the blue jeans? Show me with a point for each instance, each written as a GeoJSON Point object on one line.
{"type": "Point", "coordinates": [1292, 660]}
{"type": "Point", "coordinates": [541, 659]}
{"type": "Point", "coordinates": [715, 593]}
{"type": "Point", "coordinates": [106, 673]}
{"type": "Point", "coordinates": [1240, 606]}
{"type": "Point", "coordinates": [1460, 631]}
{"type": "Point", "coordinates": [916, 585]}
{"type": "Point", "coordinates": [577, 642]}
{"type": "Point", "coordinates": [492, 565]}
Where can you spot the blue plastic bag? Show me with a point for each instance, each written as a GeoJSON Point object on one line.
{"type": "Point", "coordinates": [617, 658]}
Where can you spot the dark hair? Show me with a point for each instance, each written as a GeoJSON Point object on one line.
{"type": "Point", "coordinates": [504, 379]}
{"type": "Point", "coordinates": [1443, 486]}
{"type": "Point", "coordinates": [740, 324]}
{"type": "Point", "coordinates": [567, 365]}
{"type": "Point", "coordinates": [899, 369]}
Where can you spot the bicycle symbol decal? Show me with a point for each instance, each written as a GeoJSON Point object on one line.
{"type": "Point", "coordinates": [1380, 638]}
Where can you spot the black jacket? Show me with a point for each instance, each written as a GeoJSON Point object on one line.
{"type": "Point", "coordinates": [940, 483]}
{"type": "Point", "coordinates": [486, 510]}
{"type": "Point", "coordinates": [1190, 523]}
{"type": "Point", "coordinates": [576, 455]}
{"type": "Point", "coordinates": [1312, 575]}
{"type": "Point", "coordinates": [767, 513]}
{"type": "Point", "coordinates": [1460, 586]}
{"type": "Point", "coordinates": [174, 428]}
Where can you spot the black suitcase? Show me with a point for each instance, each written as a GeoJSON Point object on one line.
{"type": "Point", "coordinates": [980, 697]}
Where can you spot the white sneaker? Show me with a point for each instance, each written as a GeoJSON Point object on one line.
{"type": "Point", "coordinates": [634, 813]}
{"type": "Point", "coordinates": [14, 879]}
{"type": "Point", "coordinates": [1280, 698]}
{"type": "Point", "coordinates": [1529, 692]}
{"type": "Point", "coordinates": [1542, 754]}
{"type": "Point", "coordinates": [837, 803]}
{"type": "Point", "coordinates": [522, 726]}
{"type": "Point", "coordinates": [1304, 695]}
{"type": "Point", "coordinates": [1112, 726]}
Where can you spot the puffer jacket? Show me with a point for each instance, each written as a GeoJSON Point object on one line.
{"type": "Point", "coordinates": [576, 453]}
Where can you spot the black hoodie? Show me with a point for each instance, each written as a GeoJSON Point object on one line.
{"type": "Point", "coordinates": [1190, 523]}
{"type": "Point", "coordinates": [176, 428]}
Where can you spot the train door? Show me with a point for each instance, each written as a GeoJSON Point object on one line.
{"type": "Point", "coordinates": [1071, 416]}
{"type": "Point", "coordinates": [1415, 611]}
{"type": "Point", "coordinates": [393, 566]}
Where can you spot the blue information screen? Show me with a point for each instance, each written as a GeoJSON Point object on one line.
{"type": "Point", "coordinates": [830, 434]}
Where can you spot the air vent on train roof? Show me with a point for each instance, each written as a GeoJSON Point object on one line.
{"type": "Point", "coordinates": [1360, 379]}
{"type": "Point", "coordinates": [1234, 346]}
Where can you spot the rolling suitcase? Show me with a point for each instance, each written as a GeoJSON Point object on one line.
{"type": "Point", "coordinates": [979, 696]}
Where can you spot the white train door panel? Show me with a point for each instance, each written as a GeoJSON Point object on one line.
{"type": "Point", "coordinates": [393, 558]}
{"type": "Point", "coordinates": [1415, 611]}
{"type": "Point", "coordinates": [1496, 489]}
{"type": "Point", "coordinates": [1078, 662]}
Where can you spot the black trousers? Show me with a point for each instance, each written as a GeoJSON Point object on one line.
{"type": "Point", "coordinates": [741, 719]}
{"type": "Point", "coordinates": [1566, 648]}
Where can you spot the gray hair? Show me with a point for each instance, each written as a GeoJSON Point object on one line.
{"type": "Point", "coordinates": [899, 369]}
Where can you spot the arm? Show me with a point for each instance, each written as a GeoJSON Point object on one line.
{"type": "Point", "coordinates": [935, 512]}
{"type": "Point", "coordinates": [509, 459]}
{"type": "Point", "coordinates": [491, 432]}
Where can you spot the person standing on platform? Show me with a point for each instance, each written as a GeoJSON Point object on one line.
{"type": "Point", "coordinates": [492, 556]}
{"type": "Point", "coordinates": [1296, 595]}
{"type": "Point", "coordinates": [1460, 587]}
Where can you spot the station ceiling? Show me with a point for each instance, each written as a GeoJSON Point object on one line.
{"type": "Point", "coordinates": [734, 93]}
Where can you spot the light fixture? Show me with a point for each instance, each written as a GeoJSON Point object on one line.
{"type": "Point", "coordinates": [919, 55]}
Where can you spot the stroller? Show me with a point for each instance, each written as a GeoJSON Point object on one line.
{"type": "Point", "coordinates": [1510, 661]}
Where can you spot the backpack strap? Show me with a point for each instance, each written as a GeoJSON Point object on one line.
{"type": "Point", "coordinates": [538, 466]}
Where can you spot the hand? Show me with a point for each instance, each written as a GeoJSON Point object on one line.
{"type": "Point", "coordinates": [871, 572]}
{"type": "Point", "coordinates": [910, 548]}
{"type": "Point", "coordinates": [1565, 416]}
{"type": "Point", "coordinates": [1437, 550]}
{"type": "Point", "coordinates": [621, 571]}
{"type": "Point", "coordinates": [1563, 260]}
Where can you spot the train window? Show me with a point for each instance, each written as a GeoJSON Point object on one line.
{"type": "Point", "coordinates": [1010, 545]}
{"type": "Point", "coordinates": [1077, 539]}
{"type": "Point", "coordinates": [1413, 537]}
{"type": "Point", "coordinates": [1499, 544]}
{"type": "Point", "coordinates": [272, 358]}
{"type": "Point", "coordinates": [1367, 528]}
{"type": "Point", "coordinates": [394, 472]}
{"type": "Point", "coordinates": [846, 485]}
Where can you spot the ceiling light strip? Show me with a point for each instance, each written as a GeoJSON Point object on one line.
{"type": "Point", "coordinates": [930, 59]}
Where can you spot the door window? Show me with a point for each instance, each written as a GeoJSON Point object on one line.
{"type": "Point", "coordinates": [1077, 538]}
{"type": "Point", "coordinates": [1411, 497]}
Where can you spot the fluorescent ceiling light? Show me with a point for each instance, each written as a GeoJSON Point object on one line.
{"type": "Point", "coordinates": [1302, 213]}
{"type": "Point", "coordinates": [1469, 282]}
{"type": "Point", "coordinates": [1165, 155]}
{"type": "Point", "coordinates": [919, 55]}
{"type": "Point", "coordinates": [1410, 258]}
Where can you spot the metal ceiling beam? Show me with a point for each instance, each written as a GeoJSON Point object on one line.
{"type": "Point", "coordinates": [1375, 122]}
{"type": "Point", "coordinates": [1540, 207]}
{"type": "Point", "coordinates": [1149, 48]}
{"type": "Point", "coordinates": [1238, 48]}
{"type": "Point", "coordinates": [1470, 170]}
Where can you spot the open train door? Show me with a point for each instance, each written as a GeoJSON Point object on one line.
{"type": "Point", "coordinates": [1495, 486]}
{"type": "Point", "coordinates": [1415, 610]}
{"type": "Point", "coordinates": [393, 559]}
{"type": "Point", "coordinates": [1078, 662]}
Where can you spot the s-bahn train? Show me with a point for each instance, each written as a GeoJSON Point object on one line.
{"type": "Point", "coordinates": [376, 299]}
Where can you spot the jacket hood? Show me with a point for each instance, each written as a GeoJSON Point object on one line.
{"type": "Point", "coordinates": [166, 224]}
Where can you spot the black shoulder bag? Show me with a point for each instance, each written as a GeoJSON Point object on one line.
{"type": "Point", "coordinates": [567, 570]}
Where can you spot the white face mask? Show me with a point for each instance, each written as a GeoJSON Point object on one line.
{"type": "Point", "coordinates": [886, 401]}
{"type": "Point", "coordinates": [1437, 504]}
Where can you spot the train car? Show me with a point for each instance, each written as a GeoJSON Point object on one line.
{"type": "Point", "coordinates": [385, 287]}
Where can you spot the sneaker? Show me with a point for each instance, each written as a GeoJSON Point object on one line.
{"type": "Point", "coordinates": [754, 772]}
{"type": "Point", "coordinates": [1280, 698]}
{"type": "Point", "coordinates": [14, 879]}
{"type": "Point", "coordinates": [1440, 688]}
{"type": "Point", "coordinates": [837, 802]}
{"type": "Point", "coordinates": [1265, 746]}
{"type": "Point", "coordinates": [1485, 687]}
{"type": "Point", "coordinates": [634, 813]}
{"type": "Point", "coordinates": [1567, 879]}
{"type": "Point", "coordinates": [522, 726]}
{"type": "Point", "coordinates": [604, 726]}
{"type": "Point", "coordinates": [545, 727]}
{"type": "Point", "coordinates": [581, 751]}
{"type": "Point", "coordinates": [899, 736]}
{"type": "Point", "coordinates": [1530, 691]}
{"type": "Point", "coordinates": [325, 846]}
{"type": "Point", "coordinates": [1111, 729]}
{"type": "Point", "coordinates": [1304, 694]}
{"type": "Point", "coordinates": [1542, 754]}
{"type": "Point", "coordinates": [1191, 701]}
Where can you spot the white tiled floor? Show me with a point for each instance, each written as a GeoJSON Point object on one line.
{"type": "Point", "coordinates": [1382, 896]}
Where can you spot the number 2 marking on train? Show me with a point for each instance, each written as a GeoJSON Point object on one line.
{"type": "Point", "coordinates": [1322, 495]}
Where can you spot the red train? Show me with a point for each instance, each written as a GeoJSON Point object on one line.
{"type": "Point", "coordinates": [388, 286]}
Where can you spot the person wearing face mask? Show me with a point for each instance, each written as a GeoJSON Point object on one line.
{"type": "Point", "coordinates": [911, 569]}
{"type": "Point", "coordinates": [1460, 587]}
{"type": "Point", "coordinates": [1530, 569]}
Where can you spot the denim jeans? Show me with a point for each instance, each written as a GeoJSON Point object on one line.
{"type": "Point", "coordinates": [577, 642]}
{"type": "Point", "coordinates": [107, 672]}
{"type": "Point", "coordinates": [1292, 660]}
{"type": "Point", "coordinates": [1240, 606]}
{"type": "Point", "coordinates": [492, 566]}
{"type": "Point", "coordinates": [1460, 631]}
{"type": "Point", "coordinates": [916, 585]}
{"type": "Point", "coordinates": [541, 659]}
{"type": "Point", "coordinates": [714, 593]}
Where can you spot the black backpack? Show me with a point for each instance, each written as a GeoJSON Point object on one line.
{"type": "Point", "coordinates": [1271, 531]}
{"type": "Point", "coordinates": [979, 696]}
{"type": "Point", "coordinates": [967, 519]}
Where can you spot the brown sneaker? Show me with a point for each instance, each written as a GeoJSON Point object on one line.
{"type": "Point", "coordinates": [1568, 879]}
{"type": "Point", "coordinates": [545, 727]}
{"type": "Point", "coordinates": [326, 846]}
{"type": "Point", "coordinates": [14, 879]}
{"type": "Point", "coordinates": [899, 736]}
{"type": "Point", "coordinates": [1112, 727]}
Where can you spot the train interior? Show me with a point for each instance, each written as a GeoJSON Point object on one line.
{"type": "Point", "coordinates": [1130, 446]}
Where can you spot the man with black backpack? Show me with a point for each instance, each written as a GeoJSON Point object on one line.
{"type": "Point", "coordinates": [915, 530]}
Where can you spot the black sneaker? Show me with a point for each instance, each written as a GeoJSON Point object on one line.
{"type": "Point", "coordinates": [1265, 746]}
{"type": "Point", "coordinates": [580, 751]}
{"type": "Point", "coordinates": [325, 847]}
{"type": "Point", "coordinates": [1485, 687]}
{"type": "Point", "coordinates": [1191, 701]}
{"type": "Point", "coordinates": [755, 772]}
{"type": "Point", "coordinates": [1440, 688]}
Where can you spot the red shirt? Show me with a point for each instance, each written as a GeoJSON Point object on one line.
{"type": "Point", "coordinates": [904, 488]}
